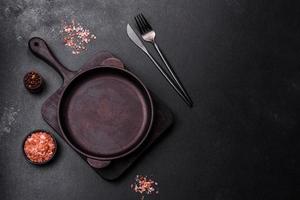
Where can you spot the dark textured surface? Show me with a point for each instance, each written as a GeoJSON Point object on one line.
{"type": "Point", "coordinates": [239, 60]}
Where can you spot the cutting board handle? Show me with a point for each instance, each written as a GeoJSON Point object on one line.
{"type": "Point", "coordinates": [113, 62]}
{"type": "Point", "coordinates": [40, 48]}
{"type": "Point", "coordinates": [98, 164]}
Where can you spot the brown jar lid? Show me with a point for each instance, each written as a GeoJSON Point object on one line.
{"type": "Point", "coordinates": [33, 82]}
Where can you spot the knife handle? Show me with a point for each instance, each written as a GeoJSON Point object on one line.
{"type": "Point", "coordinates": [173, 74]}
{"type": "Point", "coordinates": [162, 71]}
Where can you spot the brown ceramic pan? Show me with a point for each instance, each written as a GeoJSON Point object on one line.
{"type": "Point", "coordinates": [104, 112]}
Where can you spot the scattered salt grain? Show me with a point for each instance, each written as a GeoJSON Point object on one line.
{"type": "Point", "coordinates": [144, 186]}
{"type": "Point", "coordinates": [76, 37]}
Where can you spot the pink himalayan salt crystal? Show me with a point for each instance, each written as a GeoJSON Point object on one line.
{"type": "Point", "coordinates": [76, 37]}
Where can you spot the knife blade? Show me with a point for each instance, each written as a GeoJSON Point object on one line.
{"type": "Point", "coordinates": [136, 40]}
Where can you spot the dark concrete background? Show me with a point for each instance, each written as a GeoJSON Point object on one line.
{"type": "Point", "coordinates": [238, 59]}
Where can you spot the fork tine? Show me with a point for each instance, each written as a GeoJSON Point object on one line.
{"type": "Point", "coordinates": [138, 24]}
{"type": "Point", "coordinates": [143, 22]}
{"type": "Point", "coordinates": [141, 25]}
{"type": "Point", "coordinates": [146, 22]}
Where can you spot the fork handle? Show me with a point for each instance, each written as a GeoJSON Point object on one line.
{"type": "Point", "coordinates": [186, 100]}
{"type": "Point", "coordinates": [173, 74]}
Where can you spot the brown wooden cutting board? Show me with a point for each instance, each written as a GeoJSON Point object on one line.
{"type": "Point", "coordinates": [162, 121]}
